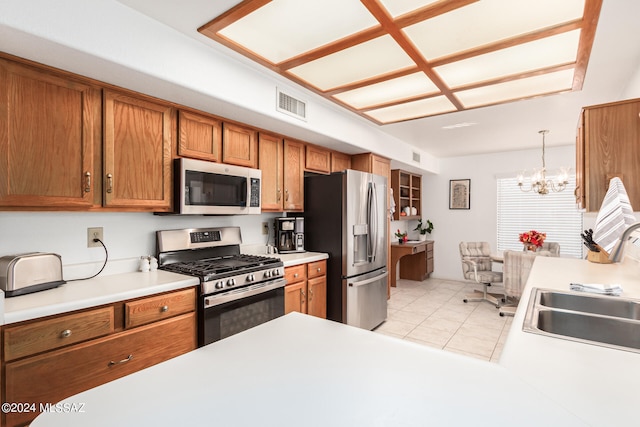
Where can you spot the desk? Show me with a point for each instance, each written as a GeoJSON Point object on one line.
{"type": "Point", "coordinates": [416, 260]}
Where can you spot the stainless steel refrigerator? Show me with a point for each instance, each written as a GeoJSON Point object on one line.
{"type": "Point", "coordinates": [345, 216]}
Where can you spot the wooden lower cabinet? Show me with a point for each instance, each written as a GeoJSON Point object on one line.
{"type": "Point", "coordinates": [50, 376]}
{"type": "Point", "coordinates": [306, 289]}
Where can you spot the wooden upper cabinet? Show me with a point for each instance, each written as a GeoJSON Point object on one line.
{"type": "Point", "coordinates": [239, 146]}
{"type": "Point", "coordinates": [50, 129]}
{"type": "Point", "coordinates": [317, 159]}
{"type": "Point", "coordinates": [340, 161]}
{"type": "Point", "coordinates": [608, 146]}
{"type": "Point", "coordinates": [199, 136]}
{"type": "Point", "coordinates": [293, 175]}
{"type": "Point", "coordinates": [271, 160]}
{"type": "Point", "coordinates": [137, 152]}
{"type": "Point", "coordinates": [372, 163]}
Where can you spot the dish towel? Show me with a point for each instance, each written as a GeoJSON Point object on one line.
{"type": "Point", "coordinates": [597, 288]}
{"type": "Point", "coordinates": [392, 205]}
{"type": "Point", "coordinates": [614, 217]}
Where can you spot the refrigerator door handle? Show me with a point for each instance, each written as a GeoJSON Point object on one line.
{"type": "Point", "coordinates": [372, 215]}
{"type": "Point", "coordinates": [384, 274]}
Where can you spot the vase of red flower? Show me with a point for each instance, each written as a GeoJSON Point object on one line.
{"type": "Point", "coordinates": [532, 240]}
{"type": "Point", "coordinates": [402, 237]}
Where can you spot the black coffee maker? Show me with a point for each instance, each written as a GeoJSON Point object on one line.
{"type": "Point", "coordinates": [290, 235]}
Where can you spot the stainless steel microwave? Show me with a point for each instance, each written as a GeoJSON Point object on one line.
{"type": "Point", "coordinates": [208, 188]}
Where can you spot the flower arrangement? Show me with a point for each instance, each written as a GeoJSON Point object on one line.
{"type": "Point", "coordinates": [533, 237]}
{"type": "Point", "coordinates": [402, 237]}
{"type": "Point", "coordinates": [424, 230]}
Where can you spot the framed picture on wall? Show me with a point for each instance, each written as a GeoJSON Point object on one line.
{"type": "Point", "coordinates": [460, 194]}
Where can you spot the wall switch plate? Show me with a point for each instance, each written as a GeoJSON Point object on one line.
{"type": "Point", "coordinates": [94, 233]}
{"type": "Point", "coordinates": [265, 228]}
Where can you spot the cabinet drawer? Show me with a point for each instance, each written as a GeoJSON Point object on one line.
{"type": "Point", "coordinates": [65, 372]}
{"type": "Point", "coordinates": [147, 310]}
{"type": "Point", "coordinates": [32, 338]}
{"type": "Point", "coordinates": [295, 273]}
{"type": "Point", "coordinates": [318, 268]}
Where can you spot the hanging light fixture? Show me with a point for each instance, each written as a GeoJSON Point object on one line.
{"type": "Point", "coordinates": [539, 182]}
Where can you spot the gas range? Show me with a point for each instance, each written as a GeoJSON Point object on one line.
{"type": "Point", "coordinates": [228, 272]}
{"type": "Point", "coordinates": [237, 291]}
{"type": "Point", "coordinates": [213, 255]}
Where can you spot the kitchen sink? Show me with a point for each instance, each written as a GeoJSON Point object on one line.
{"type": "Point", "coordinates": [606, 305]}
{"type": "Point", "coordinates": [607, 321]}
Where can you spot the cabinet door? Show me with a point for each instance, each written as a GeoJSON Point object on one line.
{"type": "Point", "coordinates": [239, 146]}
{"type": "Point", "coordinates": [317, 296]}
{"type": "Point", "coordinates": [50, 129]}
{"type": "Point", "coordinates": [612, 148]}
{"type": "Point", "coordinates": [137, 153]}
{"type": "Point", "coordinates": [340, 162]}
{"type": "Point", "coordinates": [295, 297]}
{"type": "Point", "coordinates": [270, 157]}
{"type": "Point", "coordinates": [199, 137]}
{"type": "Point", "coordinates": [317, 159]}
{"type": "Point", "coordinates": [293, 176]}
{"type": "Point", "coordinates": [63, 373]}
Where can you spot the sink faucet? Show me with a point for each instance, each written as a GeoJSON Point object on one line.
{"type": "Point", "coordinates": [618, 250]}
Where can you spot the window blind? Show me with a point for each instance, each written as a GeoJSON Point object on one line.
{"type": "Point", "coordinates": [555, 214]}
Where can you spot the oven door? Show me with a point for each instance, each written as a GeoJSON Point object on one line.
{"type": "Point", "coordinates": [228, 313]}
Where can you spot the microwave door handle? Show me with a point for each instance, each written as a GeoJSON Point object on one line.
{"type": "Point", "coordinates": [243, 192]}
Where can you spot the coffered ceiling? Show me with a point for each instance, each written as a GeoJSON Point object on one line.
{"type": "Point", "coordinates": [397, 60]}
{"type": "Point", "coordinates": [512, 125]}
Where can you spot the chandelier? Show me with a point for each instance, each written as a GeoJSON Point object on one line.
{"type": "Point", "coordinates": [539, 181]}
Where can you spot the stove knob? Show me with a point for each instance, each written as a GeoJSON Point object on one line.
{"type": "Point", "coordinates": [267, 274]}
{"type": "Point", "coordinates": [231, 282]}
{"type": "Point", "coordinates": [276, 272]}
{"type": "Point", "coordinates": [251, 278]}
{"type": "Point", "coordinates": [219, 285]}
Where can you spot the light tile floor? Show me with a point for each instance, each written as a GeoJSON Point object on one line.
{"type": "Point", "coordinates": [432, 313]}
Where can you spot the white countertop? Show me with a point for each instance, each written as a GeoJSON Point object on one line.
{"type": "Point", "coordinates": [600, 385]}
{"type": "Point", "coordinates": [77, 295]}
{"type": "Point", "coordinates": [100, 290]}
{"type": "Point", "coordinates": [298, 370]}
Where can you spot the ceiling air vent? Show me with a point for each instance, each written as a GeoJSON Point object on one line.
{"type": "Point", "coordinates": [416, 157]}
{"type": "Point", "coordinates": [289, 105]}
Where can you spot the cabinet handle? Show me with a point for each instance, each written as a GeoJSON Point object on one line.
{"type": "Point", "coordinates": [109, 183]}
{"type": "Point", "coordinates": [278, 195]}
{"type": "Point", "coordinates": [87, 182]}
{"type": "Point", "coordinates": [310, 294]}
{"type": "Point", "coordinates": [286, 195]}
{"type": "Point", "coordinates": [302, 295]}
{"type": "Point", "coordinates": [295, 275]}
{"type": "Point", "coordinates": [66, 333]}
{"type": "Point", "coordinates": [318, 269]}
{"type": "Point", "coordinates": [111, 362]}
{"type": "Point", "coordinates": [164, 308]}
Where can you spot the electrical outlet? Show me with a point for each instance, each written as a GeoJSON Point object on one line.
{"type": "Point", "coordinates": [265, 228]}
{"type": "Point", "coordinates": [94, 233]}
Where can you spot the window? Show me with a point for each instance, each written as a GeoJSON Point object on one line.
{"type": "Point", "coordinates": [554, 213]}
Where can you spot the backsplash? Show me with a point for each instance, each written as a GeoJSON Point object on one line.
{"type": "Point", "coordinates": [127, 236]}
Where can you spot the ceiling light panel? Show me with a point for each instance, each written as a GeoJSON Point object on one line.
{"type": "Point", "coordinates": [373, 58]}
{"type": "Point", "coordinates": [555, 50]}
{"type": "Point", "coordinates": [517, 89]}
{"type": "Point", "coordinates": [388, 91]}
{"type": "Point", "coordinates": [400, 7]}
{"type": "Point", "coordinates": [489, 21]}
{"type": "Point", "coordinates": [412, 110]}
{"type": "Point", "coordinates": [283, 29]}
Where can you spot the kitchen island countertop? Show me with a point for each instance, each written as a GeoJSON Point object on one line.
{"type": "Point", "coordinates": [301, 370]}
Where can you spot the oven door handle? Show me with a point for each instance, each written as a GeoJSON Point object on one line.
{"type": "Point", "coordinates": [237, 294]}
